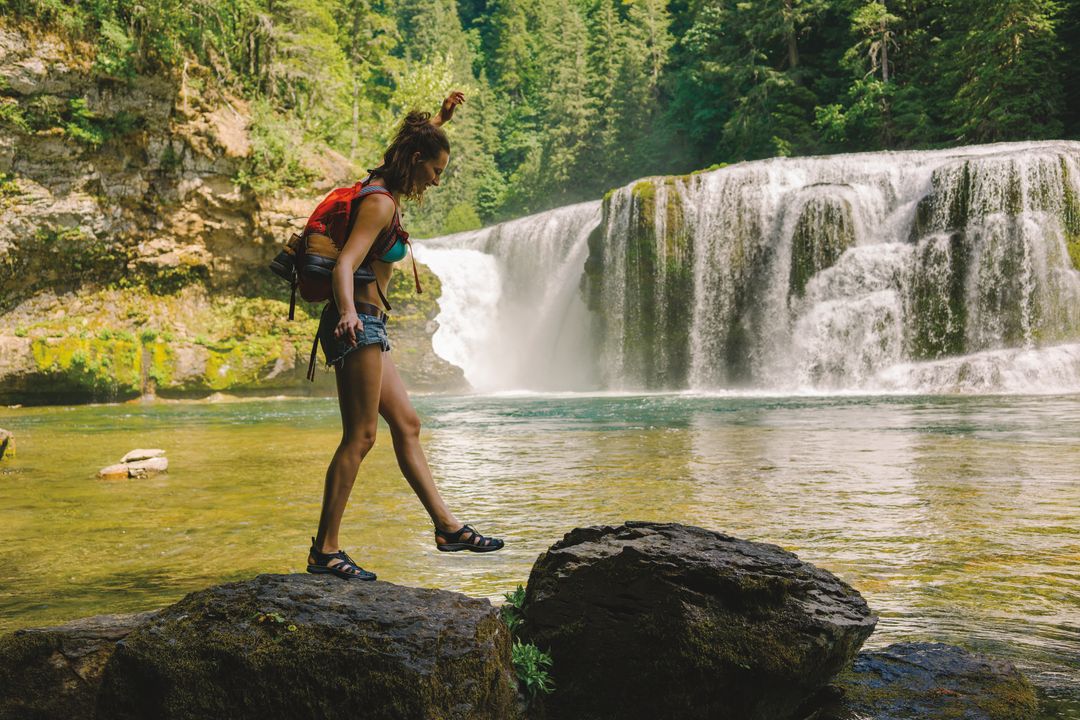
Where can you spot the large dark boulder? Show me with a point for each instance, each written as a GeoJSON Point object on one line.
{"type": "Point", "coordinates": [932, 680]}
{"type": "Point", "coordinates": [54, 673]}
{"type": "Point", "coordinates": [652, 620]}
{"type": "Point", "coordinates": [301, 646]}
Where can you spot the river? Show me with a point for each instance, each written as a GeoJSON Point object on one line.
{"type": "Point", "coordinates": [956, 517]}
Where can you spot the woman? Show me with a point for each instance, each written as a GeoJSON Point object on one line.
{"type": "Point", "coordinates": [352, 333]}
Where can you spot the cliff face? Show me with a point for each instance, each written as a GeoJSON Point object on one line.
{"type": "Point", "coordinates": [130, 259]}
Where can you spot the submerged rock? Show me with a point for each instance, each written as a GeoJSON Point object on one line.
{"type": "Point", "coordinates": [55, 672]}
{"type": "Point", "coordinates": [650, 620]}
{"type": "Point", "coordinates": [296, 646]}
{"type": "Point", "coordinates": [932, 680]}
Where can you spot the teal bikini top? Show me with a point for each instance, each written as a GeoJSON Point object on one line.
{"type": "Point", "coordinates": [396, 253]}
{"type": "Point", "coordinates": [400, 247]}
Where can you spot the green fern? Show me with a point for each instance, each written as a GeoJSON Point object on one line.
{"type": "Point", "coordinates": [532, 664]}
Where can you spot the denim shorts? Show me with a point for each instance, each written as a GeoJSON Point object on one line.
{"type": "Point", "coordinates": [335, 349]}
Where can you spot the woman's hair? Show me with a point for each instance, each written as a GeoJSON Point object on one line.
{"type": "Point", "coordinates": [416, 134]}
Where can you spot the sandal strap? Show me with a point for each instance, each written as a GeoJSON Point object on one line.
{"type": "Point", "coordinates": [453, 537]}
{"type": "Point", "coordinates": [477, 539]}
{"type": "Point", "coordinates": [324, 559]}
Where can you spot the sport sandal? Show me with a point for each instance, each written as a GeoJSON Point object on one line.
{"type": "Point", "coordinates": [347, 567]}
{"type": "Point", "coordinates": [475, 542]}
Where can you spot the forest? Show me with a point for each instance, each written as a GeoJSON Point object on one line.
{"type": "Point", "coordinates": [569, 98]}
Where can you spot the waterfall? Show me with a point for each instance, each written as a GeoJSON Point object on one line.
{"type": "Point", "coordinates": [929, 271]}
{"type": "Point", "coordinates": [511, 313]}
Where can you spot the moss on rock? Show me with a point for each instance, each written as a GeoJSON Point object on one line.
{"type": "Point", "coordinates": [932, 680]}
{"type": "Point", "coordinates": [824, 230]}
{"type": "Point", "coordinates": [115, 344]}
{"type": "Point", "coordinates": [938, 297]}
{"type": "Point", "coordinates": [1070, 216]}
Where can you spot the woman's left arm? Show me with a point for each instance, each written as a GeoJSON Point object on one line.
{"type": "Point", "coordinates": [446, 112]}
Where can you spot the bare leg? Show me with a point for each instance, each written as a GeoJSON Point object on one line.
{"type": "Point", "coordinates": [404, 423]}
{"type": "Point", "coordinates": [359, 380]}
{"type": "Point", "coordinates": [395, 407]}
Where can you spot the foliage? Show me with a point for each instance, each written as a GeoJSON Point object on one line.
{"type": "Point", "coordinates": [532, 664]}
{"type": "Point", "coordinates": [275, 160]}
{"type": "Point", "coordinates": [568, 98]}
{"type": "Point", "coordinates": [511, 611]}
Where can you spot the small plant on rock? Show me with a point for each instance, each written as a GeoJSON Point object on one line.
{"type": "Point", "coordinates": [530, 662]}
{"type": "Point", "coordinates": [511, 611]}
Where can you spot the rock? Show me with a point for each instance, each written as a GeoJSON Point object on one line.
{"type": "Point", "coordinates": [146, 468]}
{"type": "Point", "coordinates": [55, 672]}
{"type": "Point", "coordinates": [137, 464]}
{"type": "Point", "coordinates": [303, 646]}
{"type": "Point", "coordinates": [6, 438]}
{"type": "Point", "coordinates": [114, 472]}
{"type": "Point", "coordinates": [650, 620]}
{"type": "Point", "coordinates": [142, 454]}
{"type": "Point", "coordinates": [932, 680]}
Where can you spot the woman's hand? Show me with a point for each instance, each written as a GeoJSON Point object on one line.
{"type": "Point", "coordinates": [455, 98]}
{"type": "Point", "coordinates": [349, 327]}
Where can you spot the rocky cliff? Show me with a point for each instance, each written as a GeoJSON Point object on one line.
{"type": "Point", "coordinates": [133, 255]}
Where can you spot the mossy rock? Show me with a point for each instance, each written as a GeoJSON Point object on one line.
{"type": "Point", "coordinates": [1070, 216]}
{"type": "Point", "coordinates": [659, 275]}
{"type": "Point", "coordinates": [302, 646]}
{"type": "Point", "coordinates": [824, 230]}
{"type": "Point", "coordinates": [932, 680]}
{"type": "Point", "coordinates": [54, 673]}
{"type": "Point", "coordinates": [948, 204]}
{"type": "Point", "coordinates": [115, 344]}
{"type": "Point", "coordinates": [938, 310]}
{"type": "Point", "coordinates": [703, 625]}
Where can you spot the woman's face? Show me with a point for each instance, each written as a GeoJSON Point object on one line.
{"type": "Point", "coordinates": [428, 172]}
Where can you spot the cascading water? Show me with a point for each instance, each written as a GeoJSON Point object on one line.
{"type": "Point", "coordinates": [929, 272]}
{"type": "Point", "coordinates": [512, 316]}
{"type": "Point", "coordinates": [849, 272]}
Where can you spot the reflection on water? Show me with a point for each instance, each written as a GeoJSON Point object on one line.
{"type": "Point", "coordinates": [955, 517]}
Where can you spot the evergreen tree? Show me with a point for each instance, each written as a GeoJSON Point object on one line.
{"type": "Point", "coordinates": [1009, 76]}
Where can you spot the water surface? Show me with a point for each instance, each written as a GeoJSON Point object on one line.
{"type": "Point", "coordinates": [955, 517]}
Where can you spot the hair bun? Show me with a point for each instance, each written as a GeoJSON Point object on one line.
{"type": "Point", "coordinates": [417, 118]}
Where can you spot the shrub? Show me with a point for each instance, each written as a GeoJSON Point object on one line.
{"type": "Point", "coordinates": [530, 662]}
{"type": "Point", "coordinates": [531, 665]}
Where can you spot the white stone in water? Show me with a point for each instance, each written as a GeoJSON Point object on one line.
{"type": "Point", "coordinates": [142, 454]}
{"type": "Point", "coordinates": [114, 472]}
{"type": "Point", "coordinates": [146, 468]}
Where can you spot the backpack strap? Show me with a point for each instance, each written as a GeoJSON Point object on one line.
{"type": "Point", "coordinates": [292, 297]}
{"type": "Point", "coordinates": [314, 349]}
{"type": "Point", "coordinates": [394, 233]}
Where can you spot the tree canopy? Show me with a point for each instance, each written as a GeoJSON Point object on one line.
{"type": "Point", "coordinates": [567, 98]}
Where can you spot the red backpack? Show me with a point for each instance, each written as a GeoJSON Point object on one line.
{"type": "Point", "coordinates": [308, 259]}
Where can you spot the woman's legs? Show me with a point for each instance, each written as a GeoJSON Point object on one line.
{"type": "Point", "coordinates": [404, 424]}
{"type": "Point", "coordinates": [395, 407]}
{"type": "Point", "coordinates": [359, 379]}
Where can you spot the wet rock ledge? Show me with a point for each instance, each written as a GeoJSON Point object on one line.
{"type": "Point", "coordinates": [643, 620]}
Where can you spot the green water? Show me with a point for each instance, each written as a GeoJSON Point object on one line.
{"type": "Point", "coordinates": [955, 517]}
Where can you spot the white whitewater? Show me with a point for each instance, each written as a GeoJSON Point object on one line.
{"type": "Point", "coordinates": [951, 274]}
{"type": "Point", "coordinates": [994, 275]}
{"type": "Point", "coordinates": [511, 314]}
